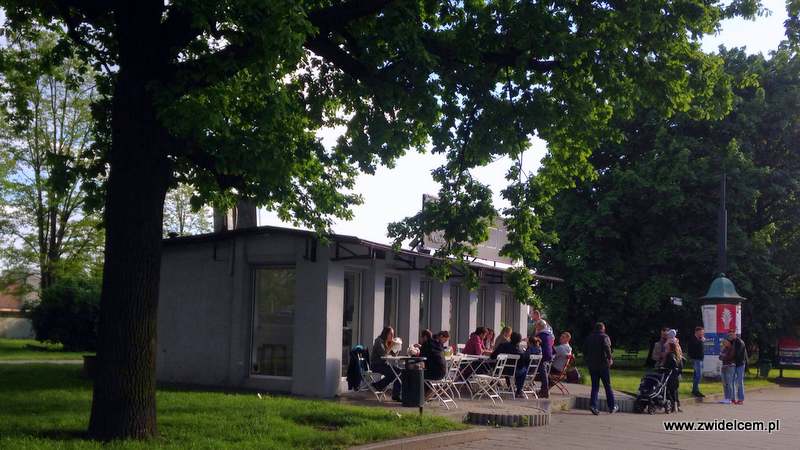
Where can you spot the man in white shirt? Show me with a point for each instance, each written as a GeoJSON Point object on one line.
{"type": "Point", "coordinates": [561, 352]}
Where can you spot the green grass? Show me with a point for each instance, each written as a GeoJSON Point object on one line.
{"type": "Point", "coordinates": [628, 381]}
{"type": "Point", "coordinates": [29, 349]}
{"type": "Point", "coordinates": [46, 406]}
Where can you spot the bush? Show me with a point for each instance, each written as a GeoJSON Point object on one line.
{"type": "Point", "coordinates": [68, 313]}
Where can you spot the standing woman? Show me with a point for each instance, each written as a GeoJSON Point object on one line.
{"type": "Point", "coordinates": [673, 362]}
{"type": "Point", "coordinates": [727, 356]}
{"type": "Point", "coordinates": [380, 348]}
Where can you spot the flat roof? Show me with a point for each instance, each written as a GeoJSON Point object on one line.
{"type": "Point", "coordinates": [341, 238]}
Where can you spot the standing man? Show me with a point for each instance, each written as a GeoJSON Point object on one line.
{"type": "Point", "coordinates": [739, 359]}
{"type": "Point", "coordinates": [599, 361]}
{"type": "Point", "coordinates": [696, 354]}
{"type": "Point", "coordinates": [536, 316]}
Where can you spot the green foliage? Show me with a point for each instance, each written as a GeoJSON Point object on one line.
{"type": "Point", "coordinates": [45, 126]}
{"type": "Point", "coordinates": [181, 217]}
{"type": "Point", "coordinates": [645, 229]}
{"type": "Point", "coordinates": [67, 313]}
{"type": "Point", "coordinates": [46, 406]}
{"type": "Point", "coordinates": [242, 89]}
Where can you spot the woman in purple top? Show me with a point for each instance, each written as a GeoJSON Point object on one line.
{"type": "Point", "coordinates": [547, 357]}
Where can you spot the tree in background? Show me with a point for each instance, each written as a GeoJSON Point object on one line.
{"type": "Point", "coordinates": [181, 217]}
{"type": "Point", "coordinates": [645, 229]}
{"type": "Point", "coordinates": [227, 97]}
{"type": "Point", "coordinates": [45, 127]}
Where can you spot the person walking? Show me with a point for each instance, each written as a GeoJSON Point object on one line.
{"type": "Point", "coordinates": [739, 360]}
{"type": "Point", "coordinates": [598, 352]}
{"type": "Point", "coordinates": [696, 354]}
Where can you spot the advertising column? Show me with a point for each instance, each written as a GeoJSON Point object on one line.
{"type": "Point", "coordinates": [718, 319]}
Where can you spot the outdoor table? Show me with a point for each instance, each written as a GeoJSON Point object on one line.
{"type": "Point", "coordinates": [394, 363]}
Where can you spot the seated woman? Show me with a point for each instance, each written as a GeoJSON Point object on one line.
{"type": "Point", "coordinates": [380, 348]}
{"type": "Point", "coordinates": [512, 348]}
{"type": "Point", "coordinates": [488, 342]}
{"type": "Point", "coordinates": [503, 337]}
{"type": "Point", "coordinates": [474, 344]}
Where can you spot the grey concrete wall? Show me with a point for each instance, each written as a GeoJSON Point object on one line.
{"type": "Point", "coordinates": [408, 304]}
{"type": "Point", "coordinates": [372, 302]}
{"type": "Point", "coordinates": [440, 306]}
{"type": "Point", "coordinates": [468, 312]}
{"type": "Point", "coordinates": [493, 307]}
{"type": "Point", "coordinates": [194, 301]}
{"type": "Point", "coordinates": [318, 326]}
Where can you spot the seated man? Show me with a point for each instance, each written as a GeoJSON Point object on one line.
{"type": "Point", "coordinates": [512, 348]}
{"type": "Point", "coordinates": [562, 352]}
{"type": "Point", "coordinates": [433, 352]}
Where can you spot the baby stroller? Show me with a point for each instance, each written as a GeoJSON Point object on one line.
{"type": "Point", "coordinates": [653, 393]}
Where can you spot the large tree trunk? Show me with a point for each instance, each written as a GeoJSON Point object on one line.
{"type": "Point", "coordinates": [124, 402]}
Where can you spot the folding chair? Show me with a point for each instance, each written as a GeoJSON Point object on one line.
{"type": "Point", "coordinates": [440, 389]}
{"type": "Point", "coordinates": [557, 380]}
{"type": "Point", "coordinates": [368, 377]}
{"type": "Point", "coordinates": [508, 383]}
{"type": "Point", "coordinates": [451, 376]}
{"type": "Point", "coordinates": [529, 387]}
{"type": "Point", "coordinates": [462, 377]}
{"type": "Point", "coordinates": [487, 384]}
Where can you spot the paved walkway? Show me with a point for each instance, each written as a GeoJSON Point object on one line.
{"type": "Point", "coordinates": [577, 429]}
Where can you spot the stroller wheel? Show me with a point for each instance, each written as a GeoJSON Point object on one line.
{"type": "Point", "coordinates": [651, 409]}
{"type": "Point", "coordinates": [667, 406]}
{"type": "Point", "coordinates": [638, 407]}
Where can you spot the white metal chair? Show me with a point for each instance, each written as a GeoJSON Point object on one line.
{"type": "Point", "coordinates": [463, 374]}
{"type": "Point", "coordinates": [508, 383]}
{"type": "Point", "coordinates": [487, 384]}
{"type": "Point", "coordinates": [368, 377]}
{"type": "Point", "coordinates": [529, 387]}
{"type": "Point", "coordinates": [441, 390]}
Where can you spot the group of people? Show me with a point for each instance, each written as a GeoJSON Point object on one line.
{"type": "Point", "coordinates": [541, 341]}
{"type": "Point", "coordinates": [667, 354]}
{"type": "Point", "coordinates": [481, 342]}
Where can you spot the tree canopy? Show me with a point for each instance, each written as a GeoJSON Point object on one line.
{"type": "Point", "coordinates": [645, 229]}
{"type": "Point", "coordinates": [227, 96]}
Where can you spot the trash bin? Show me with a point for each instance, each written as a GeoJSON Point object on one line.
{"type": "Point", "coordinates": [413, 378]}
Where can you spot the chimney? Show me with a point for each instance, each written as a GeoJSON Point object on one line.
{"type": "Point", "coordinates": [243, 215]}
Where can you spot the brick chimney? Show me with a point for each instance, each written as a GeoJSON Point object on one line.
{"type": "Point", "coordinates": [243, 215]}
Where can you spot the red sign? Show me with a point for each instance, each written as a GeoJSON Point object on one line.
{"type": "Point", "coordinates": [726, 318]}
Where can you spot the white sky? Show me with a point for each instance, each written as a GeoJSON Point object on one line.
{"type": "Point", "coordinates": [391, 195]}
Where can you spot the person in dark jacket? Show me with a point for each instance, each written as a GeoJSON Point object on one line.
{"type": "Point", "coordinates": [597, 354]}
{"type": "Point", "coordinates": [673, 364]}
{"type": "Point", "coordinates": [433, 352]}
{"type": "Point", "coordinates": [696, 354]}
{"type": "Point", "coordinates": [546, 337]}
{"type": "Point", "coordinates": [512, 348]}
{"type": "Point", "coordinates": [739, 360]}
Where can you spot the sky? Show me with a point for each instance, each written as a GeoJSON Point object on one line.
{"type": "Point", "coordinates": [392, 194]}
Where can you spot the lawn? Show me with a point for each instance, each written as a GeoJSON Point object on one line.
{"type": "Point", "coordinates": [29, 349]}
{"type": "Point", "coordinates": [47, 406]}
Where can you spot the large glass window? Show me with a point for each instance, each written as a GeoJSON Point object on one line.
{"type": "Point", "coordinates": [424, 305]}
{"type": "Point", "coordinates": [273, 322]}
{"type": "Point", "coordinates": [351, 329]}
{"type": "Point", "coordinates": [481, 313]}
{"type": "Point", "coordinates": [455, 294]}
{"type": "Point", "coordinates": [390, 302]}
{"type": "Point", "coordinates": [509, 310]}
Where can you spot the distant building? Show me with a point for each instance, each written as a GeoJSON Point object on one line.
{"type": "Point", "coordinates": [13, 323]}
{"type": "Point", "coordinates": [277, 309]}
